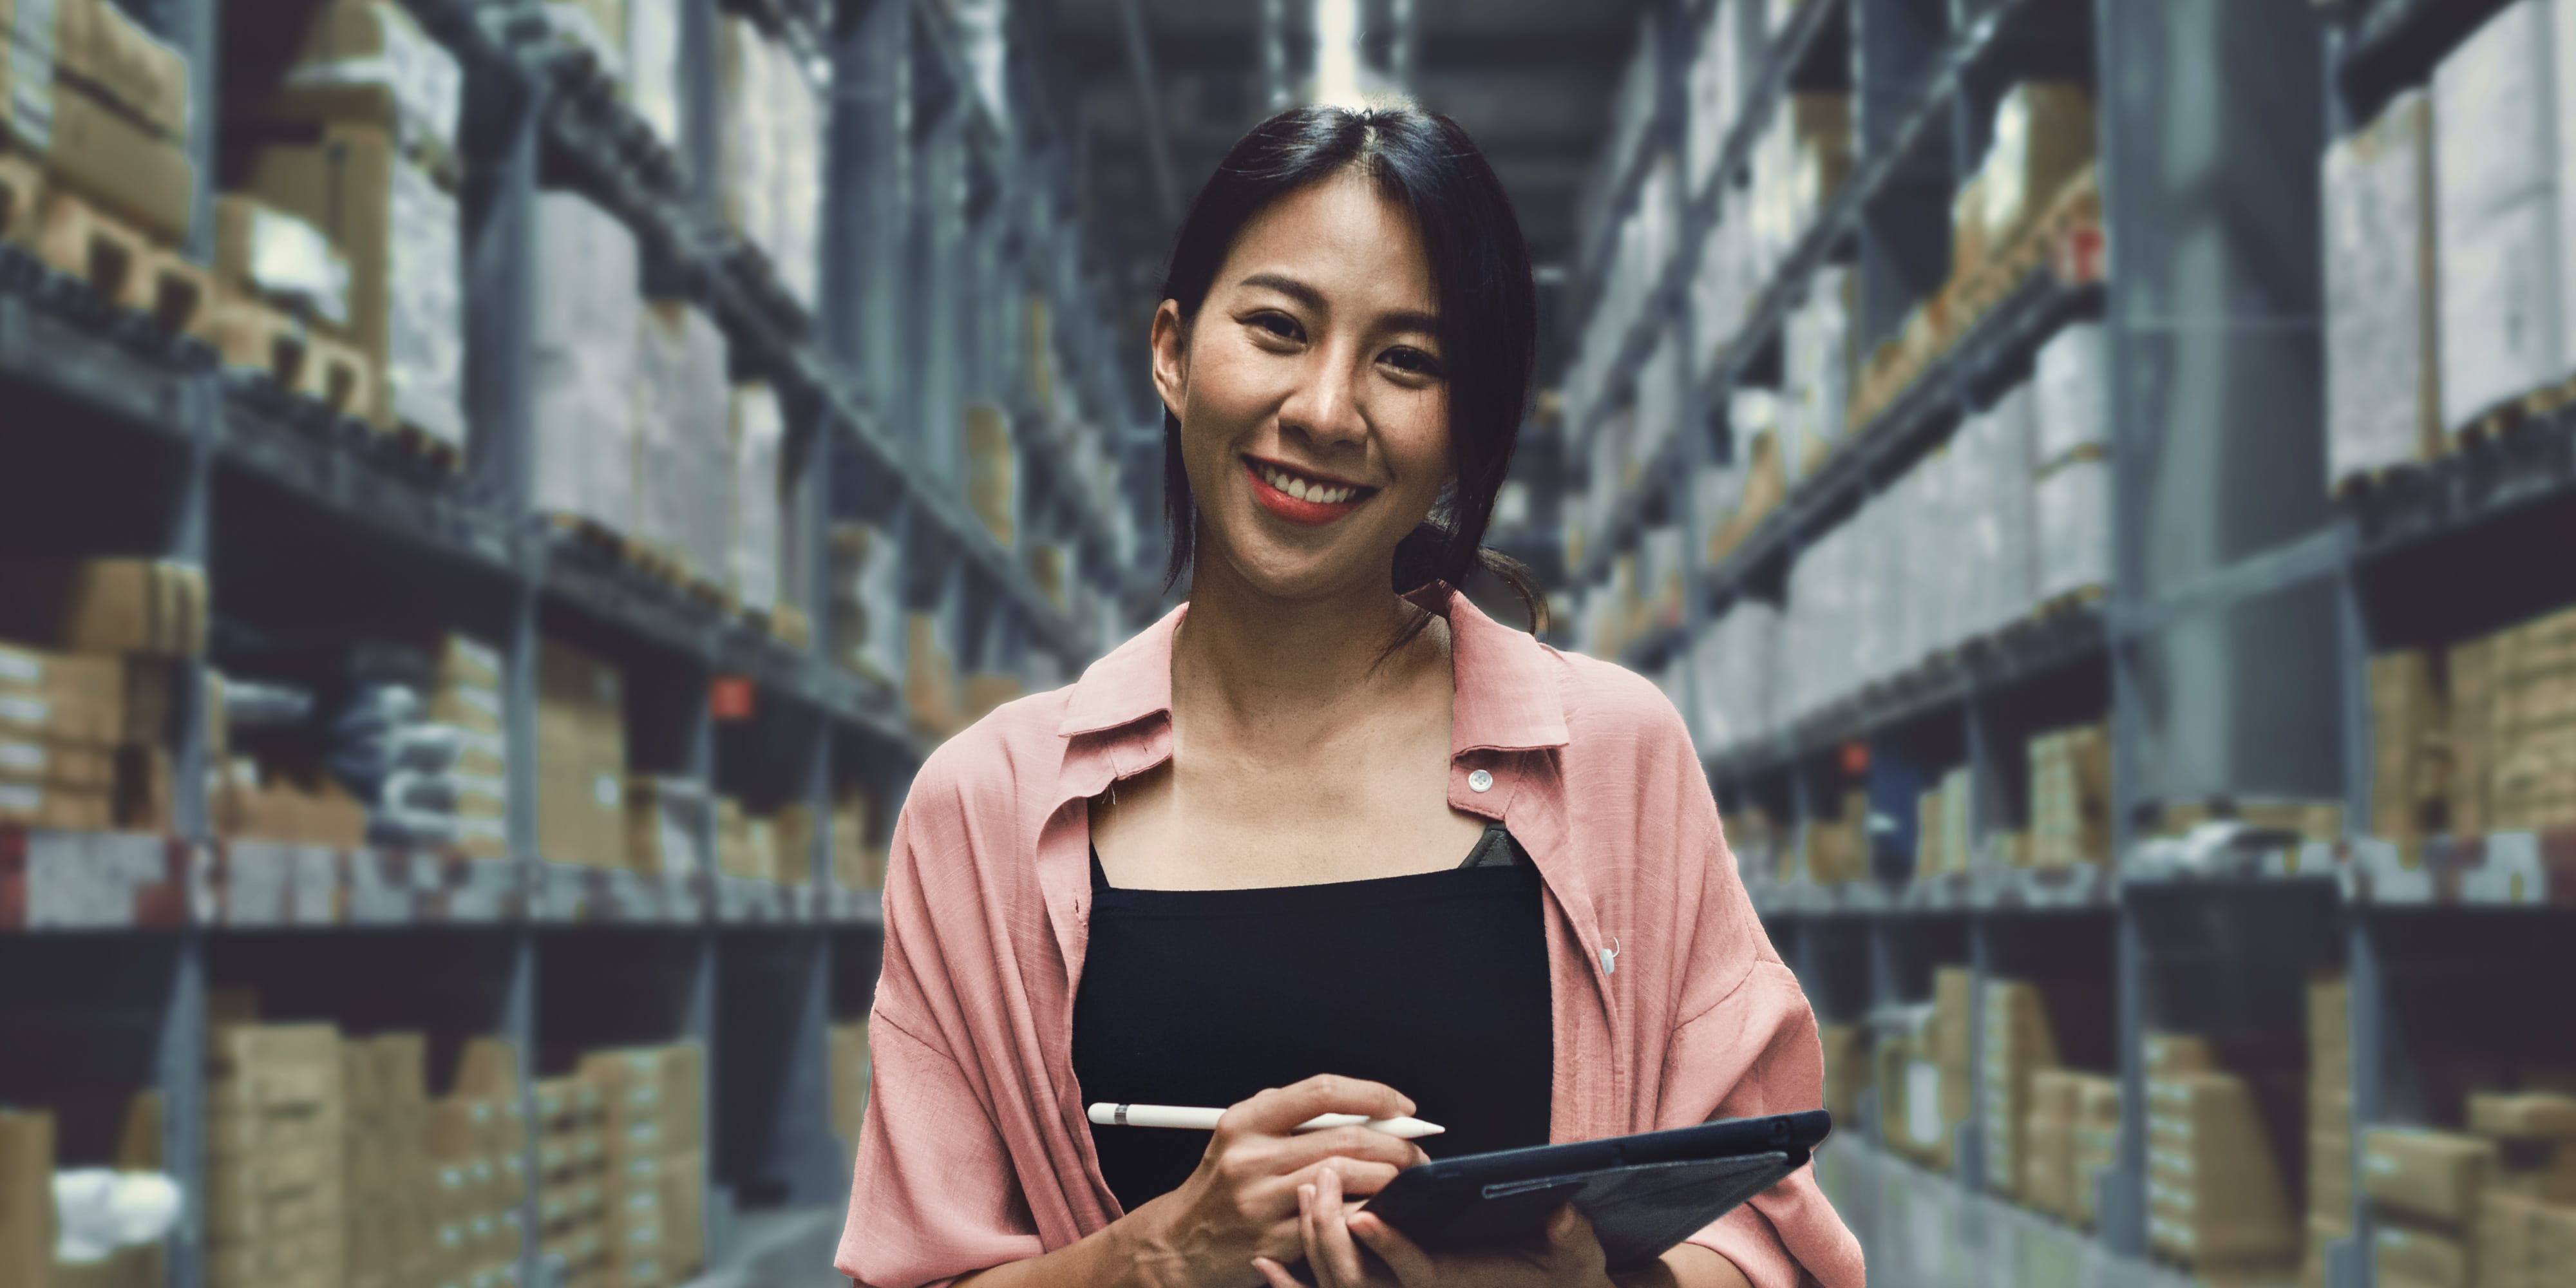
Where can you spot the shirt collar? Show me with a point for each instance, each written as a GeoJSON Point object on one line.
{"type": "Point", "coordinates": [1507, 698]}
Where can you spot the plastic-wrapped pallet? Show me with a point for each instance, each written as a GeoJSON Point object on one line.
{"type": "Point", "coordinates": [1659, 396]}
{"type": "Point", "coordinates": [2071, 389]}
{"type": "Point", "coordinates": [588, 320]}
{"type": "Point", "coordinates": [653, 68]}
{"type": "Point", "coordinates": [2015, 585]}
{"type": "Point", "coordinates": [2383, 392]}
{"type": "Point", "coordinates": [2074, 527]}
{"type": "Point", "coordinates": [1736, 661]}
{"type": "Point", "coordinates": [2498, 216]}
{"type": "Point", "coordinates": [759, 436]}
{"type": "Point", "coordinates": [771, 127]}
{"type": "Point", "coordinates": [1818, 360]}
{"type": "Point", "coordinates": [1716, 91]}
{"type": "Point", "coordinates": [682, 438]}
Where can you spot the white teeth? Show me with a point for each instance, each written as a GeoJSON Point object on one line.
{"type": "Point", "coordinates": [1304, 491]}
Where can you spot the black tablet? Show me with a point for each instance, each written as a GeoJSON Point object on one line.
{"type": "Point", "coordinates": [1643, 1193]}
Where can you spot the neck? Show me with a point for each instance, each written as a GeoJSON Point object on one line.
{"type": "Point", "coordinates": [1281, 667]}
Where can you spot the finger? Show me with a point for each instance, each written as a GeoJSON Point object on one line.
{"type": "Point", "coordinates": [1402, 1255]}
{"type": "Point", "coordinates": [1286, 1154]}
{"type": "Point", "coordinates": [1359, 1179]}
{"type": "Point", "coordinates": [1278, 1111]}
{"type": "Point", "coordinates": [1275, 1275]}
{"type": "Point", "coordinates": [1324, 1276]}
{"type": "Point", "coordinates": [1332, 1226]}
{"type": "Point", "coordinates": [1571, 1231]}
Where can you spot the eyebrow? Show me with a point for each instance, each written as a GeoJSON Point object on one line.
{"type": "Point", "coordinates": [1402, 320]}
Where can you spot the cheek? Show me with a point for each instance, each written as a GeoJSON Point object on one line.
{"type": "Point", "coordinates": [1414, 425]}
{"type": "Point", "coordinates": [1228, 386]}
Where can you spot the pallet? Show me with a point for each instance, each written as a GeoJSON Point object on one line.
{"type": "Point", "coordinates": [2361, 485]}
{"type": "Point", "coordinates": [590, 532]}
{"type": "Point", "coordinates": [2073, 601]}
{"type": "Point", "coordinates": [787, 624]}
{"type": "Point", "coordinates": [427, 448]}
{"type": "Point", "coordinates": [2066, 239]}
{"type": "Point", "coordinates": [123, 266]}
{"type": "Point", "coordinates": [2514, 413]}
{"type": "Point", "coordinates": [254, 336]}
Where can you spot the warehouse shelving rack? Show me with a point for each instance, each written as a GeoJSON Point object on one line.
{"type": "Point", "coordinates": [2238, 668]}
{"type": "Point", "coordinates": [131, 443]}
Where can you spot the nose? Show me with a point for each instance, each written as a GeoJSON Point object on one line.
{"type": "Point", "coordinates": [1325, 405]}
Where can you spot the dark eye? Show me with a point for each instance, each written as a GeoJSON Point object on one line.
{"type": "Point", "coordinates": [1278, 324]}
{"type": "Point", "coordinates": [1414, 361]}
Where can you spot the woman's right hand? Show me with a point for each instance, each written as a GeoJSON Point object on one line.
{"type": "Point", "coordinates": [1241, 1203]}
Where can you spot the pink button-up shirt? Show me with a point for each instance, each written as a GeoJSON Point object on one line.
{"type": "Point", "coordinates": [1670, 1007]}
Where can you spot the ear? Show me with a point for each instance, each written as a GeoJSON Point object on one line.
{"type": "Point", "coordinates": [1171, 343]}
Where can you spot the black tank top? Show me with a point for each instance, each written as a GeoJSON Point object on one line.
{"type": "Point", "coordinates": [1435, 984]}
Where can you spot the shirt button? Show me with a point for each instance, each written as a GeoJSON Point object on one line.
{"type": "Point", "coordinates": [1480, 781]}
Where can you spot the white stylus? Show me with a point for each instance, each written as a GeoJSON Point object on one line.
{"type": "Point", "coordinates": [1109, 1115]}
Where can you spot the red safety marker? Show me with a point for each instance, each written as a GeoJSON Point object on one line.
{"type": "Point", "coordinates": [1855, 759]}
{"type": "Point", "coordinates": [729, 697]}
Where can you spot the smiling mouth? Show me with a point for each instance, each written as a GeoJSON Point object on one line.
{"type": "Point", "coordinates": [1301, 498]}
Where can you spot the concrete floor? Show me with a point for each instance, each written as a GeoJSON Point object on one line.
{"type": "Point", "coordinates": [781, 1250]}
{"type": "Point", "coordinates": [1919, 1230]}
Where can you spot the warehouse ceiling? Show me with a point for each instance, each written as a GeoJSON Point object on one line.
{"type": "Point", "coordinates": [1531, 80]}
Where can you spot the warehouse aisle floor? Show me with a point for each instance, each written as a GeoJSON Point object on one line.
{"type": "Point", "coordinates": [782, 1250]}
{"type": "Point", "coordinates": [1919, 1231]}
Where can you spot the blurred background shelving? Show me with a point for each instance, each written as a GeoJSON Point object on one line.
{"type": "Point", "coordinates": [2084, 470]}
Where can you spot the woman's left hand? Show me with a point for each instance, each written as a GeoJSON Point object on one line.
{"type": "Point", "coordinates": [1335, 1235]}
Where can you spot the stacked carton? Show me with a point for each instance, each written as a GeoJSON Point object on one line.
{"type": "Point", "coordinates": [581, 762]}
{"type": "Point", "coordinates": [2070, 797]}
{"type": "Point", "coordinates": [86, 684]}
{"type": "Point", "coordinates": [26, 1197]}
{"type": "Point", "coordinates": [930, 687]}
{"type": "Point", "coordinates": [390, 1229]}
{"type": "Point", "coordinates": [2019, 1047]}
{"type": "Point", "coordinates": [667, 826]}
{"type": "Point", "coordinates": [1922, 1081]}
{"type": "Point", "coordinates": [100, 106]}
{"type": "Point", "coordinates": [478, 1144]}
{"type": "Point", "coordinates": [2410, 749]}
{"type": "Point", "coordinates": [2530, 726]}
{"type": "Point", "coordinates": [2501, 208]}
{"type": "Point", "coordinates": [991, 467]}
{"type": "Point", "coordinates": [1734, 662]}
{"type": "Point", "coordinates": [1847, 1071]}
{"type": "Point", "coordinates": [2383, 365]}
{"type": "Point", "coordinates": [655, 1157]}
{"type": "Point", "coordinates": [2043, 137]}
{"type": "Point", "coordinates": [2215, 1198]}
{"type": "Point", "coordinates": [746, 843]}
{"type": "Point", "coordinates": [383, 99]}
{"type": "Point", "coordinates": [275, 1117]}
{"type": "Point", "coordinates": [1819, 353]}
{"type": "Point", "coordinates": [2069, 1133]}
{"type": "Point", "coordinates": [2425, 1189]}
{"type": "Point", "coordinates": [2526, 1230]}
{"type": "Point", "coordinates": [572, 1178]}
{"type": "Point", "coordinates": [2330, 1125]}
{"type": "Point", "coordinates": [1943, 843]}
{"type": "Point", "coordinates": [2097, 1142]}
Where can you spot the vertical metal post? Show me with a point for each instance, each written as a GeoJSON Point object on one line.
{"type": "Point", "coordinates": [2120, 1195]}
{"type": "Point", "coordinates": [519, 1029]}
{"type": "Point", "coordinates": [1968, 1157]}
{"type": "Point", "coordinates": [2350, 1265]}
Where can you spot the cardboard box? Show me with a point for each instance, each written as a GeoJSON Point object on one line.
{"type": "Point", "coordinates": [43, 762]}
{"type": "Point", "coordinates": [2415, 1257]}
{"type": "Point", "coordinates": [368, 63]}
{"type": "Point", "coordinates": [581, 740]}
{"type": "Point", "coordinates": [667, 823]}
{"type": "Point", "coordinates": [103, 156]}
{"type": "Point", "coordinates": [2538, 1115]}
{"type": "Point", "coordinates": [26, 1197]}
{"type": "Point", "coordinates": [991, 459]}
{"type": "Point", "coordinates": [2496, 196]}
{"type": "Point", "coordinates": [116, 59]}
{"type": "Point", "coordinates": [1953, 991]}
{"type": "Point", "coordinates": [2426, 1175]}
{"type": "Point", "coordinates": [2215, 1196]}
{"type": "Point", "coordinates": [398, 229]}
{"type": "Point", "coordinates": [2043, 137]}
{"type": "Point", "coordinates": [104, 605]}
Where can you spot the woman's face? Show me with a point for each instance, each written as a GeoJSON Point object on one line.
{"type": "Point", "coordinates": [1311, 392]}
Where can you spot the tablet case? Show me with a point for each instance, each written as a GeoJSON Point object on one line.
{"type": "Point", "coordinates": [1683, 1179]}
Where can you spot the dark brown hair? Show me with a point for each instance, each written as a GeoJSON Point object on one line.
{"type": "Point", "coordinates": [1480, 267]}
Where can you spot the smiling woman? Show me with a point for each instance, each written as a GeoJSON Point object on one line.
{"type": "Point", "coordinates": [1224, 868]}
{"type": "Point", "coordinates": [1368, 284]}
